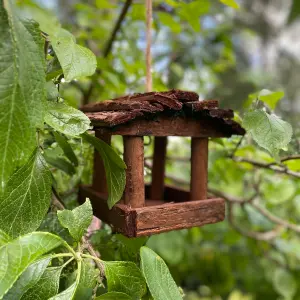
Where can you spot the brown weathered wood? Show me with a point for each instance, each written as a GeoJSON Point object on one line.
{"type": "Point", "coordinates": [99, 177]}
{"type": "Point", "coordinates": [118, 105]}
{"type": "Point", "coordinates": [173, 216]}
{"type": "Point", "coordinates": [134, 160]}
{"type": "Point", "coordinates": [120, 217]}
{"type": "Point", "coordinates": [204, 104]}
{"type": "Point", "coordinates": [153, 219]}
{"type": "Point", "coordinates": [199, 159]}
{"type": "Point", "coordinates": [158, 168]}
{"type": "Point", "coordinates": [113, 118]}
{"type": "Point", "coordinates": [174, 126]}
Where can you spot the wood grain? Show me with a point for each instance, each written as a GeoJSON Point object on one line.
{"type": "Point", "coordinates": [134, 195]}
{"type": "Point", "coordinates": [174, 126]}
{"type": "Point", "coordinates": [153, 219]}
{"type": "Point", "coordinates": [199, 160]}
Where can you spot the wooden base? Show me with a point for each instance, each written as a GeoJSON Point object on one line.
{"type": "Point", "coordinates": [156, 216]}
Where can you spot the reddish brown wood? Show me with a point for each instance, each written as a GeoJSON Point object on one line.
{"type": "Point", "coordinates": [204, 104]}
{"type": "Point", "coordinates": [173, 216]}
{"type": "Point", "coordinates": [153, 219]}
{"type": "Point", "coordinates": [118, 105]}
{"type": "Point", "coordinates": [134, 160]}
{"type": "Point", "coordinates": [174, 126]}
{"type": "Point", "coordinates": [158, 168]}
{"type": "Point", "coordinates": [120, 217]}
{"type": "Point", "coordinates": [199, 159]}
{"type": "Point", "coordinates": [99, 177]}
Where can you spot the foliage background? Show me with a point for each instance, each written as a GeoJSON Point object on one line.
{"type": "Point", "coordinates": [224, 54]}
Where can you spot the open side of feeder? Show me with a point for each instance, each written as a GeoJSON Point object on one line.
{"type": "Point", "coordinates": [155, 208]}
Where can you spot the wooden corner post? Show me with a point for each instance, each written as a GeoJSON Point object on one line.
{"type": "Point", "coordinates": [158, 168]}
{"type": "Point", "coordinates": [99, 177]}
{"type": "Point", "coordinates": [199, 164]}
{"type": "Point", "coordinates": [134, 160]}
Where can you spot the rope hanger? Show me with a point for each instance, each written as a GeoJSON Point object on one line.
{"type": "Point", "coordinates": [148, 46]}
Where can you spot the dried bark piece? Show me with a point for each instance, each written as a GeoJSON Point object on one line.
{"type": "Point", "coordinates": [112, 118]}
{"type": "Point", "coordinates": [204, 104]}
{"type": "Point", "coordinates": [117, 105]}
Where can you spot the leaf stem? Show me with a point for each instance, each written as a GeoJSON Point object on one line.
{"type": "Point", "coordinates": [92, 257]}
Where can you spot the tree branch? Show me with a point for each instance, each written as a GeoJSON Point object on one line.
{"type": "Point", "coordinates": [271, 167]}
{"type": "Point", "coordinates": [260, 236]}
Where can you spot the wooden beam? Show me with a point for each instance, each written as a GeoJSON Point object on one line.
{"type": "Point", "coordinates": [170, 126]}
{"type": "Point", "coordinates": [199, 160]}
{"type": "Point", "coordinates": [134, 160]}
{"type": "Point", "coordinates": [99, 177]}
{"type": "Point", "coordinates": [134, 222]}
{"type": "Point", "coordinates": [158, 168]}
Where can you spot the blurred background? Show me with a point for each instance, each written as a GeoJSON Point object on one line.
{"type": "Point", "coordinates": [221, 53]}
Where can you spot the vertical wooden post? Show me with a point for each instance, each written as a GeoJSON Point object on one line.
{"type": "Point", "coordinates": [158, 168]}
{"type": "Point", "coordinates": [99, 177]}
{"type": "Point", "coordinates": [134, 160]}
{"type": "Point", "coordinates": [199, 161]}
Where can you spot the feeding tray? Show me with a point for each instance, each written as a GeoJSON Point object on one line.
{"type": "Point", "coordinates": [155, 208]}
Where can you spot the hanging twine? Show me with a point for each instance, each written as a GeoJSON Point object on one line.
{"type": "Point", "coordinates": [148, 46]}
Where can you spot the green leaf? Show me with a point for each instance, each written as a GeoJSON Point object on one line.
{"type": "Point", "coordinates": [268, 131]}
{"type": "Point", "coordinates": [60, 163]}
{"type": "Point", "coordinates": [22, 93]}
{"type": "Point", "coordinates": [66, 294]}
{"type": "Point", "coordinates": [125, 277]}
{"type": "Point", "coordinates": [65, 146]}
{"type": "Point", "coordinates": [47, 286]}
{"type": "Point", "coordinates": [51, 224]}
{"type": "Point", "coordinates": [66, 119]}
{"type": "Point", "coordinates": [231, 3]}
{"type": "Point", "coordinates": [4, 238]}
{"type": "Point", "coordinates": [52, 91]}
{"type": "Point", "coordinates": [133, 244]}
{"type": "Point", "coordinates": [75, 60]}
{"type": "Point", "coordinates": [167, 20]}
{"type": "Point", "coordinates": [28, 279]}
{"type": "Point", "coordinates": [26, 198]}
{"type": "Point", "coordinates": [191, 12]}
{"type": "Point", "coordinates": [284, 283]}
{"type": "Point", "coordinates": [88, 281]}
{"type": "Point", "coordinates": [18, 254]}
{"type": "Point", "coordinates": [159, 280]}
{"type": "Point", "coordinates": [77, 220]}
{"type": "Point", "coordinates": [114, 169]}
{"type": "Point", "coordinates": [270, 98]}
{"type": "Point", "coordinates": [295, 11]}
{"type": "Point", "coordinates": [114, 296]}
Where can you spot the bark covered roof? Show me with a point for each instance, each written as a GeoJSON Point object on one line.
{"type": "Point", "coordinates": [172, 103]}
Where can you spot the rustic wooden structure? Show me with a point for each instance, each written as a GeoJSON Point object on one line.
{"type": "Point", "coordinates": [146, 210]}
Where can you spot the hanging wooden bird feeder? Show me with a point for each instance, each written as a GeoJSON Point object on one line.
{"type": "Point", "coordinates": [155, 208]}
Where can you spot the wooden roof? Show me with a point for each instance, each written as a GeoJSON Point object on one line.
{"type": "Point", "coordinates": [146, 110]}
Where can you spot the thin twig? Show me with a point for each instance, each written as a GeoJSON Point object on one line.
{"type": "Point", "coordinates": [260, 236]}
{"type": "Point", "coordinates": [271, 167]}
{"type": "Point", "coordinates": [274, 219]}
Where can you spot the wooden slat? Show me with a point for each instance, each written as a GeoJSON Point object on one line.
{"type": "Point", "coordinates": [174, 216]}
{"type": "Point", "coordinates": [154, 219]}
{"type": "Point", "coordinates": [199, 159]}
{"type": "Point", "coordinates": [158, 168]}
{"type": "Point", "coordinates": [174, 126]}
{"type": "Point", "coordinates": [134, 160]}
